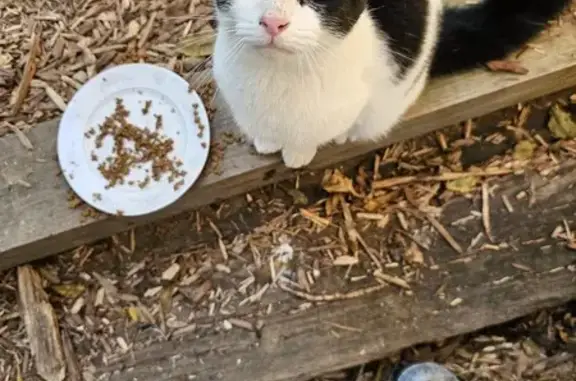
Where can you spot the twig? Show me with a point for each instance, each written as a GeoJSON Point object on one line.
{"type": "Point", "coordinates": [394, 280]}
{"type": "Point", "coordinates": [447, 176]}
{"type": "Point", "coordinates": [331, 297]}
{"type": "Point", "coordinates": [445, 234]}
{"type": "Point", "coordinates": [486, 211]}
{"type": "Point", "coordinates": [28, 74]}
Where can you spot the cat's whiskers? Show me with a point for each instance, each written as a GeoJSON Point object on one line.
{"type": "Point", "coordinates": [233, 53]}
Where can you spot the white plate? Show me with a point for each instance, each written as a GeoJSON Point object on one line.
{"type": "Point", "coordinates": [134, 84]}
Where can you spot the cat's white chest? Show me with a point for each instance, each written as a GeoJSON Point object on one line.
{"type": "Point", "coordinates": [300, 103]}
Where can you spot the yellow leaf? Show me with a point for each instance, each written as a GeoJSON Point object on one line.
{"type": "Point", "coordinates": [562, 123]}
{"type": "Point", "coordinates": [200, 45]}
{"type": "Point", "coordinates": [70, 291]}
{"type": "Point", "coordinates": [524, 150]}
{"type": "Point", "coordinates": [463, 185]}
{"type": "Point", "coordinates": [335, 182]}
{"type": "Point", "coordinates": [298, 196]}
{"type": "Point", "coordinates": [133, 313]}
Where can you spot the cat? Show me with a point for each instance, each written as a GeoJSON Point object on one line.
{"type": "Point", "coordinates": [299, 74]}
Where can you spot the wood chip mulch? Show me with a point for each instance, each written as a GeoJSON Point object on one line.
{"type": "Point", "coordinates": [120, 296]}
{"type": "Point", "coordinates": [47, 52]}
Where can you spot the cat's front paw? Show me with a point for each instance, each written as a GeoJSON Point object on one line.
{"type": "Point", "coordinates": [354, 138]}
{"type": "Point", "coordinates": [298, 158]}
{"type": "Point", "coordinates": [265, 147]}
{"type": "Point", "coordinates": [341, 139]}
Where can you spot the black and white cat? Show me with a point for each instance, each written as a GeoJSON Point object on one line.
{"type": "Point", "coordinates": [298, 74]}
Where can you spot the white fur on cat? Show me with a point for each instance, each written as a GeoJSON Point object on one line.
{"type": "Point", "coordinates": [312, 88]}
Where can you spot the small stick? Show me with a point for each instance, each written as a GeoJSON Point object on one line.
{"type": "Point", "coordinates": [402, 180]}
{"type": "Point", "coordinates": [394, 280]}
{"type": "Point", "coordinates": [486, 211]}
{"type": "Point", "coordinates": [72, 365]}
{"type": "Point", "coordinates": [331, 297]}
{"type": "Point", "coordinates": [28, 74]}
{"type": "Point", "coordinates": [445, 234]}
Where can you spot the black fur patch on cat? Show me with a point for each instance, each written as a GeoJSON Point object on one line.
{"type": "Point", "coordinates": [339, 16]}
{"type": "Point", "coordinates": [403, 23]}
{"type": "Point", "coordinates": [223, 5]}
{"type": "Point", "coordinates": [490, 30]}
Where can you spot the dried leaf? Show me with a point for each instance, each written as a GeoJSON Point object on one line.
{"type": "Point", "coordinates": [345, 260]}
{"type": "Point", "coordinates": [198, 46]}
{"type": "Point", "coordinates": [524, 150]}
{"type": "Point", "coordinates": [463, 185]}
{"type": "Point", "coordinates": [70, 291]}
{"type": "Point", "coordinates": [507, 66]}
{"type": "Point", "coordinates": [562, 124]}
{"type": "Point", "coordinates": [563, 335]}
{"type": "Point", "coordinates": [371, 205]}
{"type": "Point", "coordinates": [414, 254]}
{"type": "Point", "coordinates": [298, 196]}
{"type": "Point", "coordinates": [314, 217]}
{"type": "Point", "coordinates": [133, 313]}
{"type": "Point", "coordinates": [335, 182]}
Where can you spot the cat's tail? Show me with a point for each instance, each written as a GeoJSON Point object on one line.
{"type": "Point", "coordinates": [475, 34]}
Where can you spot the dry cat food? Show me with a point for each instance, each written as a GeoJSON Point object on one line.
{"type": "Point", "coordinates": [133, 146]}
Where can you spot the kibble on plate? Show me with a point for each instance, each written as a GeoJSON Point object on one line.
{"type": "Point", "coordinates": [135, 136]}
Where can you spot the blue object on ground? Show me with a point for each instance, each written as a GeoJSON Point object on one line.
{"type": "Point", "coordinates": [426, 371]}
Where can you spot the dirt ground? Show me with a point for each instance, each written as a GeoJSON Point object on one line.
{"type": "Point", "coordinates": [219, 268]}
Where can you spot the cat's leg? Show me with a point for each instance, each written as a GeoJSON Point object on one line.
{"type": "Point", "coordinates": [297, 157]}
{"type": "Point", "coordinates": [266, 147]}
{"type": "Point", "coordinates": [373, 128]}
{"type": "Point", "coordinates": [384, 111]}
{"type": "Point", "coordinates": [376, 121]}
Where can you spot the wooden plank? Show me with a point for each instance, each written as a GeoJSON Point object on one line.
{"type": "Point", "coordinates": [36, 220]}
{"type": "Point", "coordinates": [41, 326]}
{"type": "Point", "coordinates": [533, 272]}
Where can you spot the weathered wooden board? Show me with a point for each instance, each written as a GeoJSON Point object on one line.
{"type": "Point", "coordinates": [494, 286]}
{"type": "Point", "coordinates": [36, 220]}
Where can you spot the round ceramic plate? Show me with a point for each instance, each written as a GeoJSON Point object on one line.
{"type": "Point", "coordinates": [146, 91]}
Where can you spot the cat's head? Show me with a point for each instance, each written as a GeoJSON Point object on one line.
{"type": "Point", "coordinates": [288, 25]}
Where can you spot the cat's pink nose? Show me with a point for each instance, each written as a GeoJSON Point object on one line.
{"type": "Point", "coordinates": [274, 25]}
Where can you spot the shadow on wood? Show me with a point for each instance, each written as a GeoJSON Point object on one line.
{"type": "Point", "coordinates": [531, 272]}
